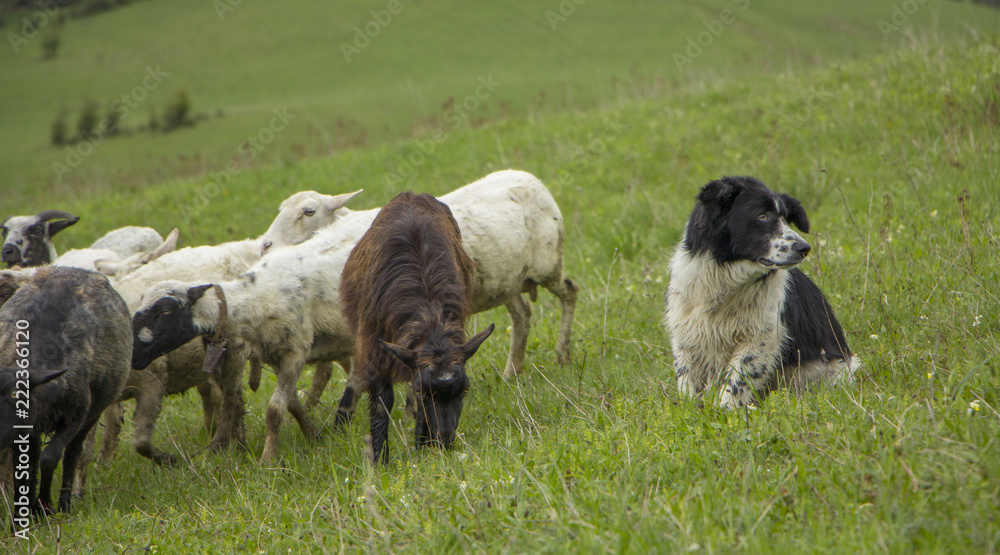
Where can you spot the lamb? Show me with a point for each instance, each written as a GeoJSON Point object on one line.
{"type": "Point", "coordinates": [126, 259]}
{"type": "Point", "coordinates": [405, 292]}
{"type": "Point", "coordinates": [28, 239]}
{"type": "Point", "coordinates": [66, 333]}
{"type": "Point", "coordinates": [511, 227]}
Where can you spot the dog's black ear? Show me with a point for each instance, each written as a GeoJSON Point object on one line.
{"type": "Point", "coordinates": [720, 193]}
{"type": "Point", "coordinates": [796, 213]}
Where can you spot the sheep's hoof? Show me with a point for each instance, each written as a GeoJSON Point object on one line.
{"type": "Point", "coordinates": [164, 459]}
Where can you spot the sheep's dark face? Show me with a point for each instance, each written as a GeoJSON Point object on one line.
{"type": "Point", "coordinates": [11, 391]}
{"type": "Point", "coordinates": [163, 326]}
{"type": "Point", "coordinates": [28, 239]}
{"type": "Point", "coordinates": [440, 386]}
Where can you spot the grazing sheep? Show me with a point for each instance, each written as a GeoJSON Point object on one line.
{"type": "Point", "coordinates": [285, 311]}
{"type": "Point", "coordinates": [114, 263]}
{"type": "Point", "coordinates": [77, 329]}
{"type": "Point", "coordinates": [405, 292]}
{"type": "Point", "coordinates": [511, 228]}
{"type": "Point", "coordinates": [28, 239]}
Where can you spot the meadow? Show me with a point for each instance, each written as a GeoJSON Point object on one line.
{"type": "Point", "coordinates": [895, 153]}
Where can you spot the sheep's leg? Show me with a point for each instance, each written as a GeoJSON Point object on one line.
{"type": "Point", "coordinates": [148, 403]}
{"type": "Point", "coordinates": [80, 479]}
{"type": "Point", "coordinates": [112, 420]}
{"type": "Point", "coordinates": [51, 455]}
{"type": "Point", "coordinates": [230, 425]}
{"type": "Point", "coordinates": [253, 379]}
{"type": "Point", "coordinates": [321, 377]}
{"type": "Point", "coordinates": [71, 456]}
{"type": "Point", "coordinates": [349, 400]}
{"type": "Point", "coordinates": [34, 448]}
{"type": "Point", "coordinates": [207, 390]}
{"type": "Point", "coordinates": [520, 325]}
{"type": "Point", "coordinates": [566, 291]}
{"type": "Point", "coordinates": [381, 398]}
{"type": "Point", "coordinates": [284, 398]}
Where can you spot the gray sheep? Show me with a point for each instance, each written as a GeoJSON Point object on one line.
{"type": "Point", "coordinates": [71, 331]}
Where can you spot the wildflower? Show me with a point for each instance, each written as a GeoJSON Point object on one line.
{"type": "Point", "coordinates": [462, 486]}
{"type": "Point", "coordinates": [934, 213]}
{"type": "Point", "coordinates": [361, 499]}
{"type": "Point", "coordinates": [930, 375]}
{"type": "Point", "coordinates": [974, 405]}
{"type": "Point", "coordinates": [873, 337]}
{"type": "Point", "coordinates": [976, 321]}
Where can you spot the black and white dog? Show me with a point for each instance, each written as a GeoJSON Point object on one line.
{"type": "Point", "coordinates": [737, 309]}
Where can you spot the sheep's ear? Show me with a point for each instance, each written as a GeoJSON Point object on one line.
{"type": "Point", "coordinates": [406, 356]}
{"type": "Point", "coordinates": [42, 377]}
{"type": "Point", "coordinates": [57, 226]}
{"type": "Point", "coordinates": [796, 213]}
{"type": "Point", "coordinates": [473, 344]}
{"type": "Point", "coordinates": [169, 244]}
{"type": "Point", "coordinates": [197, 291]}
{"type": "Point", "coordinates": [339, 201]}
{"type": "Point", "coordinates": [106, 267]}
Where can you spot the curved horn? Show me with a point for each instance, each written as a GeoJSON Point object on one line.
{"type": "Point", "coordinates": [46, 215]}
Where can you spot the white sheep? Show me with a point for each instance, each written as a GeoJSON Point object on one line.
{"type": "Point", "coordinates": [129, 240]}
{"type": "Point", "coordinates": [127, 259]}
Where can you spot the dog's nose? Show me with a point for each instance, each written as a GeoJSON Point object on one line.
{"type": "Point", "coordinates": [802, 248]}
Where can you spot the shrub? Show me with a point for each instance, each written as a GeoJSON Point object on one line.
{"type": "Point", "coordinates": [178, 112]}
{"type": "Point", "coordinates": [59, 129]}
{"type": "Point", "coordinates": [89, 118]}
{"type": "Point", "coordinates": [113, 119]}
{"type": "Point", "coordinates": [51, 42]}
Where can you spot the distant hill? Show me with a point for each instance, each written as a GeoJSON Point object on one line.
{"type": "Point", "coordinates": [355, 74]}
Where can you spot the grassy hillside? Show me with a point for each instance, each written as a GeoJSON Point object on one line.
{"type": "Point", "coordinates": [416, 68]}
{"type": "Point", "coordinates": [895, 157]}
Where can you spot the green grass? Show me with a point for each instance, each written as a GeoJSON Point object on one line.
{"type": "Point", "coordinates": [262, 56]}
{"type": "Point", "coordinates": [603, 455]}
{"type": "Point", "coordinates": [897, 160]}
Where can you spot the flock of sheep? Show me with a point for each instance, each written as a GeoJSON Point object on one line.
{"type": "Point", "coordinates": [165, 320]}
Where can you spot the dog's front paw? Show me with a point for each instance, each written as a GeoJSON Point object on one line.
{"type": "Point", "coordinates": [730, 400]}
{"type": "Point", "coordinates": [686, 386]}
